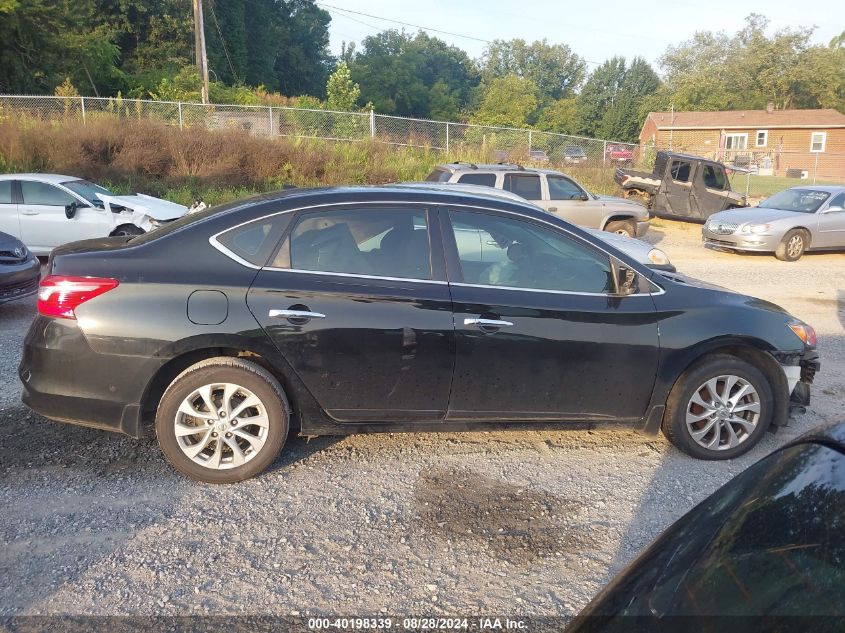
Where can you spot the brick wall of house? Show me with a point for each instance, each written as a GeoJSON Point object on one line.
{"type": "Point", "coordinates": [786, 148]}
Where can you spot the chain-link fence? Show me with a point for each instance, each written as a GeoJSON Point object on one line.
{"type": "Point", "coordinates": [775, 160]}
{"type": "Point", "coordinates": [499, 143]}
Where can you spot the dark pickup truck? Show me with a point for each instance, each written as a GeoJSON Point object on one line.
{"type": "Point", "coordinates": [681, 186]}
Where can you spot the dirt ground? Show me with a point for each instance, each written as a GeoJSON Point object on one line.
{"type": "Point", "coordinates": [528, 522]}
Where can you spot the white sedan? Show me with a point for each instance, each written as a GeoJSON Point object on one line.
{"type": "Point", "coordinates": [47, 210]}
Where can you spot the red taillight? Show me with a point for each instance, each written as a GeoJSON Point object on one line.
{"type": "Point", "coordinates": [59, 296]}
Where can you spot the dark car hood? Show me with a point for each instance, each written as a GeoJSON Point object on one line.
{"type": "Point", "coordinates": [9, 242]}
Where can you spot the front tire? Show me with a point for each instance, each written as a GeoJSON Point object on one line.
{"type": "Point", "coordinates": [626, 228]}
{"type": "Point", "coordinates": [719, 408]}
{"type": "Point", "coordinates": [222, 420]}
{"type": "Point", "coordinates": [127, 230]}
{"type": "Point", "coordinates": [792, 246]}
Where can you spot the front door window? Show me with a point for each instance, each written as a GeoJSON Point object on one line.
{"type": "Point", "coordinates": [498, 251]}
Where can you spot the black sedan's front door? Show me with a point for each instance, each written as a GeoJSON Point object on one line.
{"type": "Point", "coordinates": [539, 334]}
{"type": "Point", "coordinates": [354, 304]}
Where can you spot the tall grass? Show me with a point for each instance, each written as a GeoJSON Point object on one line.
{"type": "Point", "coordinates": [219, 165]}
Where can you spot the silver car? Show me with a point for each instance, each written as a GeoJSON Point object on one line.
{"type": "Point", "coordinates": [805, 218]}
{"type": "Point", "coordinates": [643, 252]}
{"type": "Point", "coordinates": [553, 191]}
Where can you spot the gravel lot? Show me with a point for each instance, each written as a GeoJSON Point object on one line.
{"type": "Point", "coordinates": [523, 522]}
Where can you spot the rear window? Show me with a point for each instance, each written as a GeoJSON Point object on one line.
{"type": "Point", "coordinates": [486, 180]}
{"type": "Point", "coordinates": [439, 175]}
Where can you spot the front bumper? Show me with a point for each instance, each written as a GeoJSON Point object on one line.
{"type": "Point", "coordinates": [19, 280]}
{"type": "Point", "coordinates": [808, 366]}
{"type": "Point", "coordinates": [740, 241]}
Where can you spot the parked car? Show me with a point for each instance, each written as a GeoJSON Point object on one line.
{"type": "Point", "coordinates": [767, 546]}
{"type": "Point", "coordinates": [555, 192]}
{"type": "Point", "coordinates": [791, 222]}
{"type": "Point", "coordinates": [538, 156]}
{"type": "Point", "coordinates": [621, 154]}
{"type": "Point", "coordinates": [643, 252]}
{"type": "Point", "coordinates": [574, 155]}
{"type": "Point", "coordinates": [47, 210]}
{"type": "Point", "coordinates": [681, 186]}
{"type": "Point", "coordinates": [20, 270]}
{"type": "Point", "coordinates": [345, 310]}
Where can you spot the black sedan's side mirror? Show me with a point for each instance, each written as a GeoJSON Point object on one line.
{"type": "Point", "coordinates": [70, 210]}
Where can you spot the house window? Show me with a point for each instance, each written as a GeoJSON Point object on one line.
{"type": "Point", "coordinates": [817, 142]}
{"type": "Point", "coordinates": [736, 141]}
{"type": "Point", "coordinates": [762, 138]}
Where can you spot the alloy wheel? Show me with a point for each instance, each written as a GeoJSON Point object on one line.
{"type": "Point", "coordinates": [723, 412]}
{"type": "Point", "coordinates": [221, 426]}
{"type": "Point", "coordinates": [795, 246]}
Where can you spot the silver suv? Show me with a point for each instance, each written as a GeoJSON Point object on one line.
{"type": "Point", "coordinates": [555, 192]}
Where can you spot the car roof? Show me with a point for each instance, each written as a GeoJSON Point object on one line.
{"type": "Point", "coordinates": [455, 167]}
{"type": "Point", "coordinates": [827, 188]}
{"type": "Point", "coordinates": [831, 434]}
{"type": "Point", "coordinates": [51, 178]}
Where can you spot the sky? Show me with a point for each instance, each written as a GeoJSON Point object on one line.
{"type": "Point", "coordinates": [596, 30]}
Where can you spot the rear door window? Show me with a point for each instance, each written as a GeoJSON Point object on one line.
{"type": "Point", "coordinates": [381, 242]}
{"type": "Point", "coordinates": [525, 185]}
{"type": "Point", "coordinates": [485, 180]}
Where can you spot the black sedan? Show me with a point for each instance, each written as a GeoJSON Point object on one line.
{"type": "Point", "coordinates": [766, 552]}
{"type": "Point", "coordinates": [19, 269]}
{"type": "Point", "coordinates": [347, 310]}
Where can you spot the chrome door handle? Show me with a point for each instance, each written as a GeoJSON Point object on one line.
{"type": "Point", "coordinates": [487, 323]}
{"type": "Point", "coordinates": [295, 314]}
{"type": "Point", "coordinates": [29, 212]}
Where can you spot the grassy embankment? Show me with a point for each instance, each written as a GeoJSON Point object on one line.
{"type": "Point", "coordinates": [219, 166]}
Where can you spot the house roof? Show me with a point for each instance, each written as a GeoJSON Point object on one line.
{"type": "Point", "coordinates": [763, 119]}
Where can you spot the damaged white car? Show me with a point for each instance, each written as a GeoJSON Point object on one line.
{"type": "Point", "coordinates": [47, 210]}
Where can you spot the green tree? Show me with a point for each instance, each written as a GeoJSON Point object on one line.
{"type": "Point", "coordinates": [507, 101]}
{"type": "Point", "coordinates": [418, 75]}
{"type": "Point", "coordinates": [748, 70]}
{"type": "Point", "coordinates": [342, 93]}
{"type": "Point", "coordinates": [553, 68]}
{"type": "Point", "coordinates": [559, 116]}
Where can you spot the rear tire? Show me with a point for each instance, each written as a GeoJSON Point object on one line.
{"type": "Point", "coordinates": [240, 413]}
{"type": "Point", "coordinates": [793, 245]}
{"type": "Point", "coordinates": [626, 228]}
{"type": "Point", "coordinates": [736, 408]}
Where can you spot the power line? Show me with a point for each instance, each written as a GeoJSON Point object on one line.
{"type": "Point", "coordinates": [343, 13]}
{"type": "Point", "coordinates": [223, 41]}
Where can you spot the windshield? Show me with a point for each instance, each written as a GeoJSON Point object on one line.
{"type": "Point", "coordinates": [87, 190]}
{"type": "Point", "coordinates": [438, 175]}
{"type": "Point", "coordinates": [801, 200]}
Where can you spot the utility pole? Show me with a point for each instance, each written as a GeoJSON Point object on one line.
{"type": "Point", "coordinates": [199, 48]}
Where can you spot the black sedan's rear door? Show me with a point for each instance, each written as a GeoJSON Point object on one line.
{"type": "Point", "coordinates": [362, 312]}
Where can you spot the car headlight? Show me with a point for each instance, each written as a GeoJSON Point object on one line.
{"type": "Point", "coordinates": [805, 332]}
{"type": "Point", "coordinates": [658, 257]}
{"type": "Point", "coordinates": [756, 228]}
